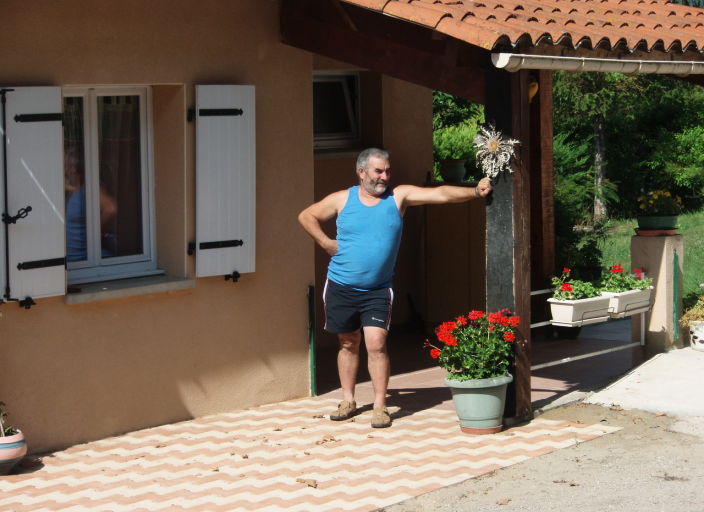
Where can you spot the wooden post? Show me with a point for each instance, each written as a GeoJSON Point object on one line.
{"type": "Point", "coordinates": [508, 227]}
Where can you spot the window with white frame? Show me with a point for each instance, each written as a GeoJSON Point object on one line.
{"type": "Point", "coordinates": [336, 110]}
{"type": "Point", "coordinates": [108, 179]}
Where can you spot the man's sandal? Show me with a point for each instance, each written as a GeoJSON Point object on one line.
{"type": "Point", "coordinates": [344, 411]}
{"type": "Point", "coordinates": [381, 418]}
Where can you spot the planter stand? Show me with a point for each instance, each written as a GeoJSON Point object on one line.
{"type": "Point", "coordinates": [575, 313]}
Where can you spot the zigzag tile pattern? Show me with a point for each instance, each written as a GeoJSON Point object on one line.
{"type": "Point", "coordinates": [628, 25]}
{"type": "Point", "coordinates": [278, 457]}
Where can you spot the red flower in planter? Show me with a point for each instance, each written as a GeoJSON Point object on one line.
{"type": "Point", "coordinates": [566, 287]}
{"type": "Point", "coordinates": [475, 315]}
{"type": "Point", "coordinates": [479, 345]}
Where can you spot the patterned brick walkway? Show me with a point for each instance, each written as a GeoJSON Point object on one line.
{"type": "Point", "coordinates": [285, 456]}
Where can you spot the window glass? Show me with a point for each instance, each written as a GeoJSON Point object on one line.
{"type": "Point", "coordinates": [335, 110]}
{"type": "Point", "coordinates": [120, 176]}
{"type": "Point", "coordinates": [107, 183]}
{"type": "Point", "coordinates": [74, 179]}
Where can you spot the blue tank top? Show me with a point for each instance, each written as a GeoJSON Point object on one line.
{"type": "Point", "coordinates": [368, 238]}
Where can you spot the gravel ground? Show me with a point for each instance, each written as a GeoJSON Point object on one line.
{"type": "Point", "coordinates": [654, 463]}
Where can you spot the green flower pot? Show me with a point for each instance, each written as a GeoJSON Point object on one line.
{"type": "Point", "coordinates": [453, 171]}
{"type": "Point", "coordinates": [657, 222]}
{"type": "Point", "coordinates": [480, 403]}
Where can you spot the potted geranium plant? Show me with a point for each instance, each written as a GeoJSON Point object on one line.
{"type": "Point", "coordinates": [629, 293]}
{"type": "Point", "coordinates": [658, 210]}
{"type": "Point", "coordinates": [575, 302]}
{"type": "Point", "coordinates": [477, 350]}
{"type": "Point", "coordinates": [12, 444]}
{"type": "Point", "coordinates": [693, 319]}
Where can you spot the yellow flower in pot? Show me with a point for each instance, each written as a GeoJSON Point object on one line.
{"type": "Point", "coordinates": [658, 210]}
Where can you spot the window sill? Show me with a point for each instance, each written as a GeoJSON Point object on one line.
{"type": "Point", "coordinates": [106, 290]}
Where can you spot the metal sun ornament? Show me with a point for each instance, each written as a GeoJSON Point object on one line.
{"type": "Point", "coordinates": [493, 151]}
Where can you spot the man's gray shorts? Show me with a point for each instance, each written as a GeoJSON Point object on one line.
{"type": "Point", "coordinates": [347, 309]}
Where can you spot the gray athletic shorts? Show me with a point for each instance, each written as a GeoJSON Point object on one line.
{"type": "Point", "coordinates": [346, 309]}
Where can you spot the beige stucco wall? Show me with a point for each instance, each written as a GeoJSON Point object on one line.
{"type": "Point", "coordinates": [80, 372]}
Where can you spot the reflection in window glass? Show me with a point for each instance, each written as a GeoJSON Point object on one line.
{"type": "Point", "coordinates": [120, 175]}
{"type": "Point", "coordinates": [74, 180]}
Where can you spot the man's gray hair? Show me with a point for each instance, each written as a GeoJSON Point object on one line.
{"type": "Point", "coordinates": [364, 156]}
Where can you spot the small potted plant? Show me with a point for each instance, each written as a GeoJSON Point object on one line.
{"type": "Point", "coordinates": [575, 302]}
{"type": "Point", "coordinates": [693, 319]}
{"type": "Point", "coordinates": [477, 350]}
{"type": "Point", "coordinates": [12, 444]}
{"type": "Point", "coordinates": [453, 149]}
{"type": "Point", "coordinates": [658, 210]}
{"type": "Point", "coordinates": [628, 293]}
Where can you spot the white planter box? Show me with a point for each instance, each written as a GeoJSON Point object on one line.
{"type": "Point", "coordinates": [622, 304]}
{"type": "Point", "coordinates": [575, 313]}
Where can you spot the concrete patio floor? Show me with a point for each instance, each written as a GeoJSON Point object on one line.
{"type": "Point", "coordinates": [289, 456]}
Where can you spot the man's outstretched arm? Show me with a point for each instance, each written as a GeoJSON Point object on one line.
{"type": "Point", "coordinates": [322, 211]}
{"type": "Point", "coordinates": [412, 196]}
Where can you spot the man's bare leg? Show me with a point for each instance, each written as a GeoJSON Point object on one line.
{"type": "Point", "coordinates": [378, 364]}
{"type": "Point", "coordinates": [348, 362]}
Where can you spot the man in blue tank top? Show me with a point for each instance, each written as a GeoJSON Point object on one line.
{"type": "Point", "coordinates": [358, 294]}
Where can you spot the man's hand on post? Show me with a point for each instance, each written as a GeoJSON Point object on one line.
{"type": "Point", "coordinates": [484, 187]}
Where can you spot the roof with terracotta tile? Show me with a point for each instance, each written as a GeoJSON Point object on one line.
{"type": "Point", "coordinates": [613, 25]}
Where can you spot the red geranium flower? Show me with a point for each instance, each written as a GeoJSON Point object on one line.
{"type": "Point", "coordinates": [514, 321]}
{"type": "Point", "coordinates": [617, 269]}
{"type": "Point", "coordinates": [435, 353]}
{"type": "Point", "coordinates": [565, 270]}
{"type": "Point", "coordinates": [495, 318]}
{"type": "Point", "coordinates": [461, 320]}
{"type": "Point", "coordinates": [638, 272]}
{"type": "Point", "coordinates": [475, 315]}
{"type": "Point", "coordinates": [509, 336]}
{"type": "Point", "coordinates": [566, 287]}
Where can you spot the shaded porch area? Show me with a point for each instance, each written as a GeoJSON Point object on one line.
{"type": "Point", "coordinates": [416, 381]}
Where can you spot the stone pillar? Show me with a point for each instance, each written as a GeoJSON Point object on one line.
{"type": "Point", "coordinates": [656, 256]}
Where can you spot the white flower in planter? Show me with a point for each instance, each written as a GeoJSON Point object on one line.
{"type": "Point", "coordinates": [493, 151]}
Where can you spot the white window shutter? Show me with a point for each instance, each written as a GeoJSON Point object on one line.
{"type": "Point", "coordinates": [35, 170]}
{"type": "Point", "coordinates": [225, 179]}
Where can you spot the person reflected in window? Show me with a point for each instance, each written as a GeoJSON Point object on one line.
{"type": "Point", "coordinates": [75, 192]}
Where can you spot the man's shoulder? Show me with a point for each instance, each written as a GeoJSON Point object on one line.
{"type": "Point", "coordinates": [337, 199]}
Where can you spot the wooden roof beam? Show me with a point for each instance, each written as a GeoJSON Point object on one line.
{"type": "Point", "coordinates": [388, 48]}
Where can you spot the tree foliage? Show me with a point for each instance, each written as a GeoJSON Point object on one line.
{"type": "Point", "coordinates": [651, 124]}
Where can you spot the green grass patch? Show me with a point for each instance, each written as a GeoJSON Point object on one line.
{"type": "Point", "coordinates": [616, 247]}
